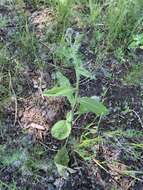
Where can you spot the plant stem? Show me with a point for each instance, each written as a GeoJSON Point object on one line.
{"type": "Point", "coordinates": [77, 92]}
{"type": "Point", "coordinates": [75, 99]}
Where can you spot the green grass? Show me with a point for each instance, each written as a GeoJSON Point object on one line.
{"type": "Point", "coordinates": [135, 76]}
{"type": "Point", "coordinates": [123, 19]}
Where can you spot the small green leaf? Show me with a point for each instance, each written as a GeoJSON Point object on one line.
{"type": "Point", "coordinates": [61, 130]}
{"type": "Point", "coordinates": [137, 41]}
{"type": "Point", "coordinates": [62, 157]}
{"type": "Point", "coordinates": [58, 91]}
{"type": "Point", "coordinates": [62, 170]}
{"type": "Point", "coordinates": [61, 160]}
{"type": "Point", "coordinates": [69, 117]}
{"type": "Point", "coordinates": [82, 71]}
{"type": "Point", "coordinates": [91, 105]}
{"type": "Point", "coordinates": [84, 154]}
{"type": "Point", "coordinates": [64, 81]}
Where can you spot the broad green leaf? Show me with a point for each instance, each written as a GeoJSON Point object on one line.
{"type": "Point", "coordinates": [64, 81]}
{"type": "Point", "coordinates": [91, 105]}
{"type": "Point", "coordinates": [58, 91]}
{"type": "Point", "coordinates": [62, 170]}
{"type": "Point", "coordinates": [62, 157]}
{"type": "Point", "coordinates": [61, 130]}
{"type": "Point", "coordinates": [82, 71]}
{"type": "Point", "coordinates": [61, 160]}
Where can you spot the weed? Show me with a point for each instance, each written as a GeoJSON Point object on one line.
{"type": "Point", "coordinates": [67, 52]}
{"type": "Point", "coordinates": [27, 43]}
{"type": "Point", "coordinates": [123, 19]}
{"type": "Point", "coordinates": [63, 9]}
{"type": "Point", "coordinates": [79, 105]}
{"type": "Point", "coordinates": [119, 53]}
{"type": "Point", "coordinates": [135, 76]}
{"type": "Point", "coordinates": [5, 66]}
{"type": "Point", "coordinates": [133, 148]}
{"type": "Point", "coordinates": [137, 41]}
{"type": "Point", "coordinates": [117, 27]}
{"type": "Point", "coordinates": [86, 148]}
{"type": "Point", "coordinates": [95, 11]}
{"type": "Point", "coordinates": [127, 133]}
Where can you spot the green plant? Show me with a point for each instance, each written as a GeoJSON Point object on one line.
{"type": "Point", "coordinates": [6, 66]}
{"type": "Point", "coordinates": [86, 147]}
{"type": "Point", "coordinates": [28, 44]}
{"type": "Point", "coordinates": [123, 18]}
{"type": "Point", "coordinates": [26, 40]}
{"type": "Point", "coordinates": [67, 52]}
{"type": "Point", "coordinates": [63, 8]}
{"type": "Point", "coordinates": [79, 105]}
{"type": "Point", "coordinates": [137, 41]}
{"type": "Point", "coordinates": [95, 11]}
{"type": "Point", "coordinates": [119, 53]}
{"type": "Point", "coordinates": [135, 76]}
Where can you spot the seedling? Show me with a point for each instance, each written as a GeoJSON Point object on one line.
{"type": "Point", "coordinates": [79, 105]}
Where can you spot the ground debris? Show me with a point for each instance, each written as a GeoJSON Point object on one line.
{"type": "Point", "coordinates": [39, 114]}
{"type": "Point", "coordinates": [41, 19]}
